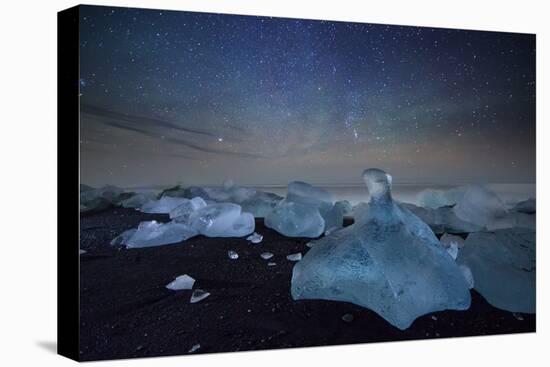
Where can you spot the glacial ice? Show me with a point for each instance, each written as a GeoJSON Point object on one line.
{"type": "Point", "coordinates": [138, 200]}
{"type": "Point", "coordinates": [294, 257]}
{"type": "Point", "coordinates": [443, 219]}
{"type": "Point", "coordinates": [182, 212]}
{"type": "Point", "coordinates": [255, 238]}
{"type": "Point", "coordinates": [388, 260]}
{"type": "Point", "coordinates": [481, 206]}
{"type": "Point", "coordinates": [436, 198]}
{"type": "Point", "coordinates": [164, 205]}
{"type": "Point", "coordinates": [306, 211]}
{"type": "Point", "coordinates": [198, 295]}
{"type": "Point", "coordinates": [222, 220]}
{"type": "Point", "coordinates": [153, 233]}
{"type": "Point", "coordinates": [503, 267]}
{"type": "Point", "coordinates": [296, 220]}
{"type": "Point", "coordinates": [182, 282]}
{"type": "Point", "coordinates": [266, 255]}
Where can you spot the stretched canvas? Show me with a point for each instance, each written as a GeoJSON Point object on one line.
{"type": "Point", "coordinates": [235, 183]}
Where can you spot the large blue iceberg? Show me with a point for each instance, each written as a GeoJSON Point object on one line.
{"type": "Point", "coordinates": [388, 261]}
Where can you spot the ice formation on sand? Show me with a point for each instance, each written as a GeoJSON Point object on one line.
{"type": "Point", "coordinates": [153, 233]}
{"type": "Point", "coordinates": [389, 261]}
{"type": "Point", "coordinates": [307, 211]}
{"type": "Point", "coordinates": [443, 219]}
{"type": "Point", "coordinates": [182, 212]}
{"type": "Point", "coordinates": [182, 282]}
{"type": "Point", "coordinates": [138, 200]}
{"type": "Point", "coordinates": [198, 295]}
{"type": "Point", "coordinates": [503, 267]}
{"type": "Point", "coordinates": [222, 220]}
{"type": "Point", "coordinates": [255, 238]}
{"type": "Point", "coordinates": [164, 205]}
{"type": "Point", "coordinates": [434, 198]}
{"type": "Point", "coordinates": [481, 206]}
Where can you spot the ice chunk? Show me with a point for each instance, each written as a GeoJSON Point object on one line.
{"type": "Point", "coordinates": [480, 206]}
{"type": "Point", "coordinates": [222, 220]}
{"type": "Point", "coordinates": [452, 250]}
{"type": "Point", "coordinates": [138, 200]}
{"type": "Point", "coordinates": [304, 192]}
{"type": "Point", "coordinates": [296, 220]}
{"type": "Point", "coordinates": [503, 267]}
{"type": "Point", "coordinates": [99, 199]}
{"type": "Point", "coordinates": [271, 264]}
{"type": "Point", "coordinates": [232, 255]}
{"type": "Point", "coordinates": [194, 348]}
{"type": "Point", "coordinates": [443, 220]}
{"type": "Point", "coordinates": [295, 257]}
{"type": "Point", "coordinates": [435, 198]}
{"type": "Point", "coordinates": [182, 212]}
{"type": "Point", "coordinates": [266, 255]}
{"type": "Point", "coordinates": [467, 275]}
{"type": "Point", "coordinates": [528, 206]}
{"type": "Point", "coordinates": [255, 238]}
{"type": "Point", "coordinates": [153, 233]}
{"type": "Point", "coordinates": [182, 282]}
{"type": "Point", "coordinates": [345, 206]}
{"type": "Point", "coordinates": [80, 252]}
{"type": "Point", "coordinates": [389, 261]}
{"type": "Point", "coordinates": [448, 240]}
{"type": "Point", "coordinates": [198, 295]}
{"type": "Point", "coordinates": [123, 238]}
{"type": "Point", "coordinates": [164, 205]}
{"type": "Point", "coordinates": [347, 317]}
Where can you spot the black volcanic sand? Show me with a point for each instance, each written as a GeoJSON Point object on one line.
{"type": "Point", "coordinates": [126, 311]}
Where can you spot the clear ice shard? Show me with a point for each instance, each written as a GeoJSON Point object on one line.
{"type": "Point", "coordinates": [182, 282]}
{"type": "Point", "coordinates": [164, 205]}
{"type": "Point", "coordinates": [222, 220]}
{"type": "Point", "coordinates": [266, 255]}
{"type": "Point", "coordinates": [232, 255]}
{"type": "Point", "coordinates": [295, 257]}
{"type": "Point", "coordinates": [182, 212]}
{"type": "Point", "coordinates": [388, 261]}
{"type": "Point", "coordinates": [307, 211]}
{"type": "Point", "coordinates": [153, 233]}
{"type": "Point", "coordinates": [198, 295]}
{"type": "Point", "coordinates": [503, 266]}
{"type": "Point", "coordinates": [122, 238]}
{"type": "Point", "coordinates": [255, 238]}
{"type": "Point", "coordinates": [194, 348]}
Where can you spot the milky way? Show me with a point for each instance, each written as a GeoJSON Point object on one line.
{"type": "Point", "coordinates": [197, 98]}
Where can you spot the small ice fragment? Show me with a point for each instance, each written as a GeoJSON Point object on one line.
{"type": "Point", "coordinates": [347, 317]}
{"type": "Point", "coordinates": [271, 264]}
{"type": "Point", "coordinates": [517, 316]}
{"type": "Point", "coordinates": [447, 239]}
{"type": "Point", "coordinates": [255, 238]}
{"type": "Point", "coordinates": [194, 348]}
{"type": "Point", "coordinates": [310, 244]}
{"type": "Point", "coordinates": [266, 255]}
{"type": "Point", "coordinates": [434, 317]}
{"type": "Point", "coordinates": [295, 257]}
{"type": "Point", "coordinates": [453, 250]}
{"type": "Point", "coordinates": [232, 255]}
{"type": "Point", "coordinates": [80, 252]}
{"type": "Point", "coordinates": [182, 282]}
{"type": "Point", "coordinates": [122, 238]}
{"type": "Point", "coordinates": [198, 295]}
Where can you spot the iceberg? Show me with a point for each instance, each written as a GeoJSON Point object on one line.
{"type": "Point", "coordinates": [164, 205]}
{"type": "Point", "coordinates": [182, 282]}
{"type": "Point", "coordinates": [503, 266]}
{"type": "Point", "coordinates": [306, 211]}
{"type": "Point", "coordinates": [222, 220]}
{"type": "Point", "coordinates": [182, 212]}
{"type": "Point", "coordinates": [153, 233]}
{"type": "Point", "coordinates": [388, 261]}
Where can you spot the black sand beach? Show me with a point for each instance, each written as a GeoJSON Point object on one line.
{"type": "Point", "coordinates": [126, 311]}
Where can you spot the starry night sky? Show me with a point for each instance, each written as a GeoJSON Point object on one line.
{"type": "Point", "coordinates": [198, 98]}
